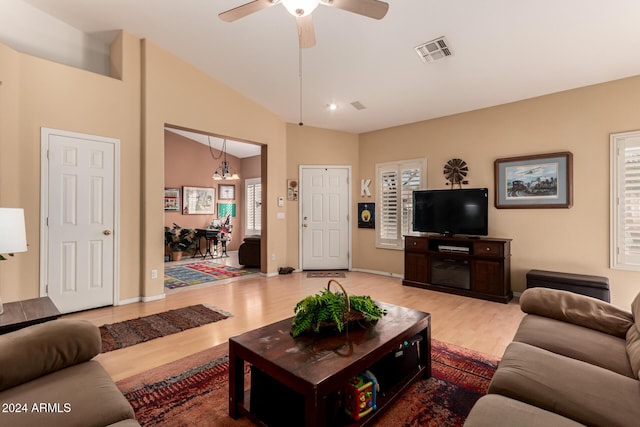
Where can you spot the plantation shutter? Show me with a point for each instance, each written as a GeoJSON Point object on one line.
{"type": "Point", "coordinates": [625, 228]}
{"type": "Point", "coordinates": [389, 206]}
{"type": "Point", "coordinates": [410, 181]}
{"type": "Point", "coordinates": [395, 184]}
{"type": "Point", "coordinates": [253, 193]}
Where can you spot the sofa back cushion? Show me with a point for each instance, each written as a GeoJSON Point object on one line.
{"type": "Point", "coordinates": [633, 338]}
{"type": "Point", "coordinates": [578, 309]}
{"type": "Point", "coordinates": [38, 350]}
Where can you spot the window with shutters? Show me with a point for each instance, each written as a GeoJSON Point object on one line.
{"type": "Point", "coordinates": [253, 202]}
{"type": "Point", "coordinates": [395, 183]}
{"type": "Point", "coordinates": [625, 200]}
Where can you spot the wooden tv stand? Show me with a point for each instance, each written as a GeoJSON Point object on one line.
{"type": "Point", "coordinates": [474, 267]}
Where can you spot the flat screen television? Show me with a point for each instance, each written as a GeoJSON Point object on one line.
{"type": "Point", "coordinates": [449, 212]}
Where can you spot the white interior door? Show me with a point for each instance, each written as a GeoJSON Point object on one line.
{"type": "Point", "coordinates": [324, 217]}
{"type": "Point", "coordinates": [79, 213]}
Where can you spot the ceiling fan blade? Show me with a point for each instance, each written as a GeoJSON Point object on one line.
{"type": "Point", "coordinates": [246, 9]}
{"type": "Point", "coordinates": [372, 8]}
{"type": "Point", "coordinates": [306, 33]}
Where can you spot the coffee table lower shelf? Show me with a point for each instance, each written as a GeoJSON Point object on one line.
{"type": "Point", "coordinates": [383, 402]}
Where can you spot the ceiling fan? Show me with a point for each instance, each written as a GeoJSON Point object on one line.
{"type": "Point", "coordinates": [302, 9]}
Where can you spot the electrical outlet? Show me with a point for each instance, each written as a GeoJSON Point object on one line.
{"type": "Point", "coordinates": [154, 273]}
{"type": "Point", "coordinates": [273, 257]}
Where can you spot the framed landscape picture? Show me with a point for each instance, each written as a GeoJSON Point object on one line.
{"type": "Point", "coordinates": [198, 200]}
{"type": "Point", "coordinates": [537, 181]}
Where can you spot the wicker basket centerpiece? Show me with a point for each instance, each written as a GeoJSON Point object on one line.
{"type": "Point", "coordinates": [329, 311]}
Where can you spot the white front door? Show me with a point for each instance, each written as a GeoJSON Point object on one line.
{"type": "Point", "coordinates": [79, 216]}
{"type": "Point", "coordinates": [324, 217]}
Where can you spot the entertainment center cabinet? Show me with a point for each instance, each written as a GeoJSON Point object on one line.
{"type": "Point", "coordinates": [474, 267]}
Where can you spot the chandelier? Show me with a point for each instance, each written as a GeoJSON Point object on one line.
{"type": "Point", "coordinates": [222, 172]}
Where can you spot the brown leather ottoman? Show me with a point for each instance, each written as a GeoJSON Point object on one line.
{"type": "Point", "coordinates": [249, 252]}
{"type": "Point", "coordinates": [592, 286]}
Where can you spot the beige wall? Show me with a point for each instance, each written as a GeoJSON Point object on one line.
{"type": "Point", "coordinates": [313, 146]}
{"type": "Point", "coordinates": [41, 93]}
{"type": "Point", "coordinates": [176, 93]}
{"type": "Point", "coordinates": [572, 240]}
{"type": "Point", "coordinates": [12, 195]}
{"type": "Point", "coordinates": [37, 93]}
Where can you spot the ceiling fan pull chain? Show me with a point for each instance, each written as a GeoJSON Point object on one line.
{"type": "Point", "coordinates": [300, 75]}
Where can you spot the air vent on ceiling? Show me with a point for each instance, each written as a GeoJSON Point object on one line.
{"type": "Point", "coordinates": [434, 50]}
{"type": "Point", "coordinates": [358, 105]}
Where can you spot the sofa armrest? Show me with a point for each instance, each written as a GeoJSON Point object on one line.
{"type": "Point", "coordinates": [578, 309]}
{"type": "Point", "coordinates": [38, 350]}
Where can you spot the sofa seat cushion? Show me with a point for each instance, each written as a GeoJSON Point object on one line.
{"type": "Point", "coordinates": [494, 410]}
{"type": "Point", "coordinates": [82, 395]}
{"type": "Point", "coordinates": [575, 342]}
{"type": "Point", "coordinates": [574, 389]}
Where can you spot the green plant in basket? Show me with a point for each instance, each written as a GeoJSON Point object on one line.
{"type": "Point", "coordinates": [333, 309]}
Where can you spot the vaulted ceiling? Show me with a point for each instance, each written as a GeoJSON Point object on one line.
{"type": "Point", "coordinates": [503, 51]}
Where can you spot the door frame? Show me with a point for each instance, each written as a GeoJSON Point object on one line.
{"type": "Point", "coordinates": [301, 169]}
{"type": "Point", "coordinates": [44, 204]}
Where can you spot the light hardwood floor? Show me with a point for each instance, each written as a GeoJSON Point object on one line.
{"type": "Point", "coordinates": [256, 300]}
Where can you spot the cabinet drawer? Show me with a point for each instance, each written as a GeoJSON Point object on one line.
{"type": "Point", "coordinates": [488, 249]}
{"type": "Point", "coordinates": [415, 244]}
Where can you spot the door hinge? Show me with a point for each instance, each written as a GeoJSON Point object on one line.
{"type": "Point", "coordinates": [46, 289]}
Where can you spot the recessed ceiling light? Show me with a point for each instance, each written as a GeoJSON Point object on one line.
{"type": "Point", "coordinates": [333, 106]}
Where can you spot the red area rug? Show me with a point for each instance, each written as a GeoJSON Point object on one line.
{"type": "Point", "coordinates": [193, 391]}
{"type": "Point", "coordinates": [131, 332]}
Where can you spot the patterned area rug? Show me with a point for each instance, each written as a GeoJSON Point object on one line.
{"type": "Point", "coordinates": [200, 272]}
{"type": "Point", "coordinates": [194, 391]}
{"type": "Point", "coordinates": [131, 332]}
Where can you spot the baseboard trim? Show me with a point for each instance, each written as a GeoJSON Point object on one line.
{"type": "Point", "coordinates": [140, 299]}
{"type": "Point", "coordinates": [380, 273]}
{"type": "Point", "coordinates": [128, 301]}
{"type": "Point", "coordinates": [153, 298]}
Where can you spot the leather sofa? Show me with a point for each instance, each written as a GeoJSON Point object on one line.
{"type": "Point", "coordinates": [574, 361]}
{"type": "Point", "coordinates": [249, 252]}
{"type": "Point", "coordinates": [48, 378]}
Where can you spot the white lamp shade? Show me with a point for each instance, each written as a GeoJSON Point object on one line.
{"type": "Point", "coordinates": [13, 236]}
{"type": "Point", "coordinates": [300, 7]}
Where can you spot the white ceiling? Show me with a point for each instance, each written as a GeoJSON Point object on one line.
{"type": "Point", "coordinates": [235, 148]}
{"type": "Point", "coordinates": [504, 51]}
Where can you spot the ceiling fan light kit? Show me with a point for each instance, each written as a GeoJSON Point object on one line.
{"type": "Point", "coordinates": [300, 7]}
{"type": "Point", "coordinates": [302, 10]}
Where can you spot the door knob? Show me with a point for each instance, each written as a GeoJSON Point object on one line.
{"type": "Point", "coordinates": [106, 232]}
{"type": "Point", "coordinates": [304, 225]}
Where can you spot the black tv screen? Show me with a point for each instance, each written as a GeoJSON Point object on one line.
{"type": "Point", "coordinates": [449, 212]}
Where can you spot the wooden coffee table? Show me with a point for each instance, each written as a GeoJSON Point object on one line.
{"type": "Point", "coordinates": [315, 367]}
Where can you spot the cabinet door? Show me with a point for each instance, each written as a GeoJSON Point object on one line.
{"type": "Point", "coordinates": [488, 277]}
{"type": "Point", "coordinates": [415, 267]}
